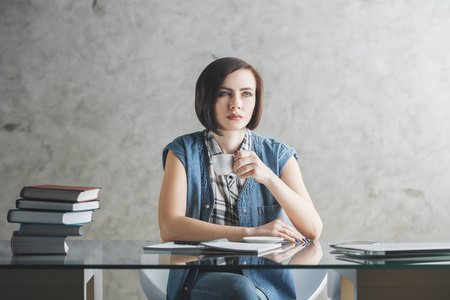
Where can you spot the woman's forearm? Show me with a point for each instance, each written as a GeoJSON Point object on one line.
{"type": "Point", "coordinates": [288, 189]}
{"type": "Point", "coordinates": [189, 229]}
{"type": "Point", "coordinates": [300, 211]}
{"type": "Point", "coordinates": [293, 197]}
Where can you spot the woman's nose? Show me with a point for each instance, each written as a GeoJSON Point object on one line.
{"type": "Point", "coordinates": [235, 104]}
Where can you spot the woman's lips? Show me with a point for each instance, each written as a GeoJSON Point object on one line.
{"type": "Point", "coordinates": [234, 117]}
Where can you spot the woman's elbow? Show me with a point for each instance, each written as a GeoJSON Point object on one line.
{"type": "Point", "coordinates": [164, 235]}
{"type": "Point", "coordinates": [314, 236]}
{"type": "Point", "coordinates": [165, 232]}
{"type": "Point", "coordinates": [315, 232]}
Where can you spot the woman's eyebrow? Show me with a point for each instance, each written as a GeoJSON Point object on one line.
{"type": "Point", "coordinates": [225, 88]}
{"type": "Point", "coordinates": [242, 89]}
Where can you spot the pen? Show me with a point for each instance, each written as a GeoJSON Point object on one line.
{"type": "Point", "coordinates": [185, 243]}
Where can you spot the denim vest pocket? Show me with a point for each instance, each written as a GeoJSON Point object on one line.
{"type": "Point", "coordinates": [268, 214]}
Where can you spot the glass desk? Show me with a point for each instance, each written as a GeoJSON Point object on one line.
{"type": "Point", "coordinates": [79, 274]}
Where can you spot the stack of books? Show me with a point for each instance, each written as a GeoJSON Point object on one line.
{"type": "Point", "coordinates": [48, 214]}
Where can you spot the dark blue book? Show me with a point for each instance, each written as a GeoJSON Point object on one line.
{"type": "Point", "coordinates": [29, 229]}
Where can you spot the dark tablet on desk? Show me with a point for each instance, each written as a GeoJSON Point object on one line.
{"type": "Point", "coordinates": [393, 248]}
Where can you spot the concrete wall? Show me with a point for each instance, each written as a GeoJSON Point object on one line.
{"type": "Point", "coordinates": [91, 91]}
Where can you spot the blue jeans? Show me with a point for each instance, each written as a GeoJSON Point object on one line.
{"type": "Point", "coordinates": [221, 286]}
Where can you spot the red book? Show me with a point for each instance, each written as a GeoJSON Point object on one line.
{"type": "Point", "coordinates": [62, 193]}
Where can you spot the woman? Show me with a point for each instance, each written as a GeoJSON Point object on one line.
{"type": "Point", "coordinates": [198, 205]}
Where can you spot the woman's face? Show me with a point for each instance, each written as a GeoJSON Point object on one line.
{"type": "Point", "coordinates": [236, 100]}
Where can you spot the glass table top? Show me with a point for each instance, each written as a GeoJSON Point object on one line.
{"type": "Point", "coordinates": [131, 255]}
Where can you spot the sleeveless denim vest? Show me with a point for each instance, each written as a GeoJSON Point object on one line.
{"type": "Point", "coordinates": [256, 205]}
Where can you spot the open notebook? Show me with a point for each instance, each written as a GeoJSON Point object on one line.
{"type": "Point", "coordinates": [222, 245]}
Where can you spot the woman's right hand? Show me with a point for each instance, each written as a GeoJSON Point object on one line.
{"type": "Point", "coordinates": [279, 228]}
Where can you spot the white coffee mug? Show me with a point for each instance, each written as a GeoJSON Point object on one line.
{"type": "Point", "coordinates": [223, 163]}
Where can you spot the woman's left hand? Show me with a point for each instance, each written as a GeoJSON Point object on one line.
{"type": "Point", "coordinates": [248, 164]}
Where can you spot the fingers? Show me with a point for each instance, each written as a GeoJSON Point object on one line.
{"type": "Point", "coordinates": [292, 235]}
{"type": "Point", "coordinates": [241, 159]}
{"type": "Point", "coordinates": [287, 232]}
{"type": "Point", "coordinates": [247, 164]}
{"type": "Point", "coordinates": [242, 154]}
{"type": "Point", "coordinates": [244, 171]}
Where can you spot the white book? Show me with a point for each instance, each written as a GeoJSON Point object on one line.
{"type": "Point", "coordinates": [220, 245]}
{"type": "Point", "coordinates": [54, 205]}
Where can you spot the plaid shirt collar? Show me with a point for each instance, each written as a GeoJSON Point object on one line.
{"type": "Point", "coordinates": [214, 148]}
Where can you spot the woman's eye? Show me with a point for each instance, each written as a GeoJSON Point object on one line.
{"type": "Point", "coordinates": [223, 94]}
{"type": "Point", "coordinates": [247, 94]}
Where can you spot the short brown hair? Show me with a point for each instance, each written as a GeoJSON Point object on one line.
{"type": "Point", "coordinates": [207, 89]}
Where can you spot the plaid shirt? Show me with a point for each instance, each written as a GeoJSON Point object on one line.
{"type": "Point", "coordinates": [226, 188]}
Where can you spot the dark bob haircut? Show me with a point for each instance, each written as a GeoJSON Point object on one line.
{"type": "Point", "coordinates": [209, 84]}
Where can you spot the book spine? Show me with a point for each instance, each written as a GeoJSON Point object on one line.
{"type": "Point", "coordinates": [22, 191]}
{"type": "Point", "coordinates": [8, 218]}
{"type": "Point", "coordinates": [12, 240]}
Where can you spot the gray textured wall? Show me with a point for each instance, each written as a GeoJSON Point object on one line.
{"type": "Point", "coordinates": [92, 91]}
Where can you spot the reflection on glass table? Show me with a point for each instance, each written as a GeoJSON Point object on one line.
{"type": "Point", "coordinates": [87, 259]}
{"type": "Point", "coordinates": [308, 282]}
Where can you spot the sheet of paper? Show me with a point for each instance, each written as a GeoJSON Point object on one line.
{"type": "Point", "coordinates": [170, 246]}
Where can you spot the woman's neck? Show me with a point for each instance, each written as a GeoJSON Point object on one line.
{"type": "Point", "coordinates": [230, 141]}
